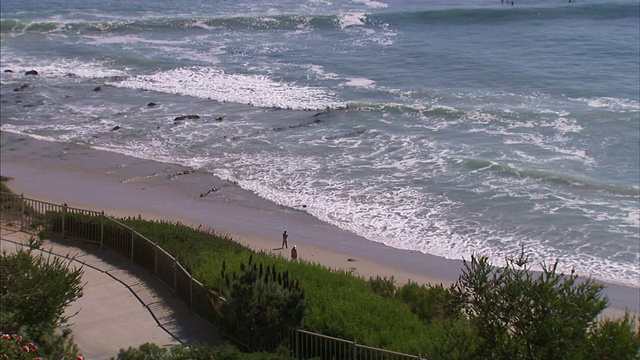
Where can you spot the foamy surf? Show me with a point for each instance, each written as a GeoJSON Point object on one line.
{"type": "Point", "coordinates": [216, 84]}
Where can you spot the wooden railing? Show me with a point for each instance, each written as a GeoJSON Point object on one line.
{"type": "Point", "coordinates": [111, 234]}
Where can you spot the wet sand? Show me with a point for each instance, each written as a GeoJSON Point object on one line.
{"type": "Point", "coordinates": [122, 185]}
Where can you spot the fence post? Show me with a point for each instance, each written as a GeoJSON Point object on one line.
{"type": "Point", "coordinates": [133, 238]}
{"type": "Point", "coordinates": [355, 350]}
{"type": "Point", "coordinates": [64, 211]}
{"type": "Point", "coordinates": [102, 230]}
{"type": "Point", "coordinates": [155, 260]}
{"type": "Point", "coordinates": [297, 352]}
{"type": "Point", "coordinates": [21, 211]}
{"type": "Point", "coordinates": [191, 292]}
{"type": "Point", "coordinates": [175, 275]}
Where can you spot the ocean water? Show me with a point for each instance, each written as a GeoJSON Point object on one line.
{"type": "Point", "coordinates": [447, 127]}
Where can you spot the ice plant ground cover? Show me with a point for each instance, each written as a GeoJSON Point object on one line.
{"type": "Point", "coordinates": [14, 347]}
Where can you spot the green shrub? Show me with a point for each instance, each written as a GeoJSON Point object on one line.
{"type": "Point", "coordinates": [614, 339]}
{"type": "Point", "coordinates": [261, 305]}
{"type": "Point", "coordinates": [384, 287]}
{"type": "Point", "coordinates": [34, 292]}
{"type": "Point", "coordinates": [197, 352]}
{"type": "Point", "coordinates": [429, 302]}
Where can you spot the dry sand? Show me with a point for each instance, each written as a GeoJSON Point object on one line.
{"type": "Point", "coordinates": [126, 186]}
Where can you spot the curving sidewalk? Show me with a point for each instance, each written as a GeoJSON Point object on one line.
{"type": "Point", "coordinates": [122, 305]}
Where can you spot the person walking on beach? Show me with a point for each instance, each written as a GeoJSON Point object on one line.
{"type": "Point", "coordinates": [285, 236]}
{"type": "Point", "coordinates": [294, 253]}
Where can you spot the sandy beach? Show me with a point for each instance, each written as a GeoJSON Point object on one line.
{"type": "Point", "coordinates": [122, 185]}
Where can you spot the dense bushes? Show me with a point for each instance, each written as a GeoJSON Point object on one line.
{"type": "Point", "coordinates": [197, 352]}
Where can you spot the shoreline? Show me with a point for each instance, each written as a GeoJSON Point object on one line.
{"type": "Point", "coordinates": [123, 186]}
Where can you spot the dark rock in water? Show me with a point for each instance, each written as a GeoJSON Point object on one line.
{"type": "Point", "coordinates": [21, 88]}
{"type": "Point", "coordinates": [70, 75]}
{"type": "Point", "coordinates": [151, 104]}
{"type": "Point", "coordinates": [8, 71]}
{"type": "Point", "coordinates": [209, 192]}
{"type": "Point", "coordinates": [349, 134]}
{"type": "Point", "coordinates": [220, 118]}
{"type": "Point", "coordinates": [179, 173]}
{"type": "Point", "coordinates": [31, 72]}
{"type": "Point", "coordinates": [115, 128]}
{"type": "Point", "coordinates": [97, 88]}
{"type": "Point", "coordinates": [186, 117]}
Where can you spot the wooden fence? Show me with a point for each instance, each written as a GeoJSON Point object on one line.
{"type": "Point", "coordinates": [96, 227]}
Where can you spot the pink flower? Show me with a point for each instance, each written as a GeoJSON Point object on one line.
{"type": "Point", "coordinates": [79, 357]}
{"type": "Point", "coordinates": [25, 348]}
{"type": "Point", "coordinates": [6, 336]}
{"type": "Point", "coordinates": [32, 346]}
{"type": "Point", "coordinates": [38, 358]}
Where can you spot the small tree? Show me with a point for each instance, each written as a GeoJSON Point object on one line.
{"type": "Point", "coordinates": [259, 304]}
{"type": "Point", "coordinates": [523, 316]}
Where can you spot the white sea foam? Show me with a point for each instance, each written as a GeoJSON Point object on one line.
{"type": "Point", "coordinates": [564, 125]}
{"type": "Point", "coordinates": [371, 3]}
{"type": "Point", "coordinates": [58, 68]}
{"type": "Point", "coordinates": [360, 82]}
{"type": "Point", "coordinates": [210, 83]}
{"type": "Point", "coordinates": [612, 103]}
{"type": "Point", "coordinates": [352, 19]}
{"type": "Point", "coordinates": [321, 73]}
{"type": "Point", "coordinates": [127, 39]}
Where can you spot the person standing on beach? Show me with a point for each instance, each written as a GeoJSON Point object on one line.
{"type": "Point", "coordinates": [285, 236]}
{"type": "Point", "coordinates": [294, 253]}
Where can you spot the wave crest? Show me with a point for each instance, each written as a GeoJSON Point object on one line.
{"type": "Point", "coordinates": [549, 176]}
{"type": "Point", "coordinates": [214, 84]}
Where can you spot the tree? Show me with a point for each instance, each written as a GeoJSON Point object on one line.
{"type": "Point", "coordinates": [259, 304]}
{"type": "Point", "coordinates": [523, 316]}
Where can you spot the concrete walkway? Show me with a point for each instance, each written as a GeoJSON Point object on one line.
{"type": "Point", "coordinates": [123, 305]}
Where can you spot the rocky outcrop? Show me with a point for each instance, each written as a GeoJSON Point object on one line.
{"type": "Point", "coordinates": [21, 88]}
{"type": "Point", "coordinates": [186, 117]}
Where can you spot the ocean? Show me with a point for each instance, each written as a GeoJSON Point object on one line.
{"type": "Point", "coordinates": [446, 127]}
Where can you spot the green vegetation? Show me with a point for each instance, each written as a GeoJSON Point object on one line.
{"type": "Point", "coordinates": [260, 305]}
{"type": "Point", "coordinates": [198, 352]}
